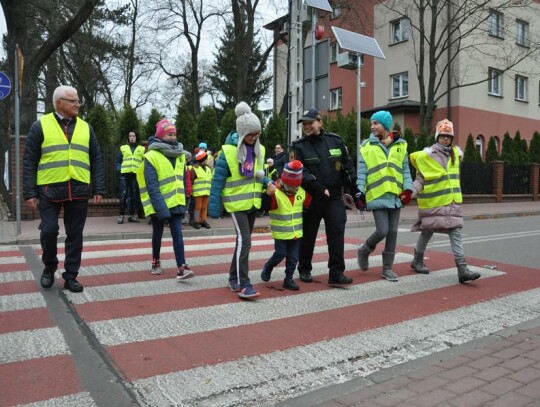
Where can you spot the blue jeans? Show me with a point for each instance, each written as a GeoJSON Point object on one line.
{"type": "Point", "coordinates": [175, 224]}
{"type": "Point", "coordinates": [129, 194]}
{"type": "Point", "coordinates": [284, 249]}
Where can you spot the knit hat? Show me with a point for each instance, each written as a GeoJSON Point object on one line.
{"type": "Point", "coordinates": [292, 173]}
{"type": "Point", "coordinates": [310, 116]}
{"type": "Point", "coordinates": [201, 156]}
{"type": "Point", "coordinates": [445, 127]}
{"type": "Point", "coordinates": [164, 127]}
{"type": "Point", "coordinates": [203, 145]}
{"type": "Point", "coordinates": [270, 161]}
{"type": "Point", "coordinates": [246, 121]}
{"type": "Point", "coordinates": [383, 117]}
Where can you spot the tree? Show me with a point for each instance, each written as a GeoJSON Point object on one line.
{"type": "Point", "coordinates": [224, 73]}
{"type": "Point", "coordinates": [534, 148]}
{"type": "Point", "coordinates": [207, 126]}
{"type": "Point", "coordinates": [521, 150]}
{"type": "Point", "coordinates": [471, 155]}
{"type": "Point", "coordinates": [408, 135]}
{"type": "Point", "coordinates": [128, 121]}
{"type": "Point", "coordinates": [186, 127]}
{"type": "Point", "coordinates": [275, 132]}
{"type": "Point", "coordinates": [491, 150]}
{"type": "Point", "coordinates": [99, 120]}
{"type": "Point", "coordinates": [445, 35]}
{"type": "Point", "coordinates": [423, 140]}
{"type": "Point", "coordinates": [228, 124]}
{"type": "Point", "coordinates": [149, 129]}
{"type": "Point", "coordinates": [508, 154]}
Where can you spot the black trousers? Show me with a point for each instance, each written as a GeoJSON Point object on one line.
{"type": "Point", "coordinates": [332, 210]}
{"type": "Point", "coordinates": [74, 220]}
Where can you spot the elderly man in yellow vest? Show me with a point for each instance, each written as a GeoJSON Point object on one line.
{"type": "Point", "coordinates": [63, 169]}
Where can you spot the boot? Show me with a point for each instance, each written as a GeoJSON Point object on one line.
{"type": "Point", "coordinates": [362, 256]}
{"type": "Point", "coordinates": [418, 264]}
{"type": "Point", "coordinates": [388, 261]}
{"type": "Point", "coordinates": [120, 219]}
{"type": "Point", "coordinates": [464, 274]}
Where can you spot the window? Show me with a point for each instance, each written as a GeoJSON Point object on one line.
{"type": "Point", "coordinates": [400, 85]}
{"type": "Point", "coordinates": [400, 30]}
{"type": "Point", "coordinates": [495, 24]}
{"type": "Point", "coordinates": [494, 82]}
{"type": "Point", "coordinates": [336, 11]}
{"type": "Point", "coordinates": [336, 100]}
{"type": "Point", "coordinates": [522, 33]}
{"type": "Point", "coordinates": [334, 51]}
{"type": "Point", "coordinates": [521, 88]}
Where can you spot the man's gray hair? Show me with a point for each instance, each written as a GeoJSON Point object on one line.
{"type": "Point", "coordinates": [60, 92]}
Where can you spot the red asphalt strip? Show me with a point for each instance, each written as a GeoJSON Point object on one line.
{"type": "Point", "coordinates": [161, 356]}
{"type": "Point", "coordinates": [25, 320]}
{"type": "Point", "coordinates": [38, 379]}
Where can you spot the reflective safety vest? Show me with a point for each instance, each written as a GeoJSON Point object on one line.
{"type": "Point", "coordinates": [286, 220]}
{"type": "Point", "coordinates": [441, 185]}
{"type": "Point", "coordinates": [384, 174]}
{"type": "Point", "coordinates": [270, 173]}
{"type": "Point", "coordinates": [62, 160]}
{"type": "Point", "coordinates": [131, 161]}
{"type": "Point", "coordinates": [171, 180]}
{"type": "Point", "coordinates": [201, 185]}
{"type": "Point", "coordinates": [241, 193]}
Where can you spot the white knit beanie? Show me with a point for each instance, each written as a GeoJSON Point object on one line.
{"type": "Point", "coordinates": [246, 122]}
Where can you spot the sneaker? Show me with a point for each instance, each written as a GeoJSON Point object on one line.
{"type": "Point", "coordinates": [133, 219]}
{"type": "Point", "coordinates": [233, 285]}
{"type": "Point", "coordinates": [206, 225]}
{"type": "Point", "coordinates": [290, 284]}
{"type": "Point", "coordinates": [184, 272]}
{"type": "Point", "coordinates": [120, 220]}
{"type": "Point", "coordinates": [266, 274]}
{"type": "Point", "coordinates": [156, 267]}
{"type": "Point", "coordinates": [248, 292]}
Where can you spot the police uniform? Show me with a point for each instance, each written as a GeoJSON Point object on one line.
{"type": "Point", "coordinates": [327, 166]}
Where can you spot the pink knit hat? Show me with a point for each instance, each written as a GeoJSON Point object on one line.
{"type": "Point", "coordinates": [164, 127]}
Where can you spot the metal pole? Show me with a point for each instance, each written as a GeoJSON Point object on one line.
{"type": "Point", "coordinates": [313, 59]}
{"type": "Point", "coordinates": [359, 108]}
{"type": "Point", "coordinates": [17, 145]}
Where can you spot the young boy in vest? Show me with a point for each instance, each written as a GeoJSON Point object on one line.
{"type": "Point", "coordinates": [161, 180]}
{"type": "Point", "coordinates": [286, 210]}
{"type": "Point", "coordinates": [201, 175]}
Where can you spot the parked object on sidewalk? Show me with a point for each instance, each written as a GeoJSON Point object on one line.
{"type": "Point", "coordinates": [438, 191]}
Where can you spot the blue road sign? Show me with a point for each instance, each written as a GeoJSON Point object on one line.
{"type": "Point", "coordinates": [5, 86]}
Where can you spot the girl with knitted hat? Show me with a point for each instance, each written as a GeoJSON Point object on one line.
{"type": "Point", "coordinates": [162, 182]}
{"type": "Point", "coordinates": [385, 184]}
{"type": "Point", "coordinates": [286, 210]}
{"type": "Point", "coordinates": [238, 184]}
{"type": "Point", "coordinates": [201, 175]}
{"type": "Point", "coordinates": [438, 191]}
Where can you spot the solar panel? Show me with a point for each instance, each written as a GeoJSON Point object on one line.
{"type": "Point", "coordinates": [320, 4]}
{"type": "Point", "coordinates": [357, 42]}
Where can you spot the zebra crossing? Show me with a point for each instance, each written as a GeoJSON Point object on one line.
{"type": "Point", "coordinates": [196, 343]}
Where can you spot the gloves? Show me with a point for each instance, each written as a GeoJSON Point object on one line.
{"type": "Point", "coordinates": [360, 201]}
{"type": "Point", "coordinates": [405, 196]}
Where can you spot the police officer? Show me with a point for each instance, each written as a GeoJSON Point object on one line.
{"type": "Point", "coordinates": [327, 170]}
{"type": "Point", "coordinates": [62, 169]}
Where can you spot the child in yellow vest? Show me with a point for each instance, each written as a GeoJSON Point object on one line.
{"type": "Point", "coordinates": [286, 222]}
{"type": "Point", "coordinates": [201, 176]}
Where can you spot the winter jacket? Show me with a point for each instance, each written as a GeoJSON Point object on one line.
{"type": "Point", "coordinates": [327, 165]}
{"type": "Point", "coordinates": [388, 200]}
{"type": "Point", "coordinates": [221, 173]}
{"type": "Point", "coordinates": [66, 190]}
{"type": "Point", "coordinates": [440, 218]}
{"type": "Point", "coordinates": [279, 162]}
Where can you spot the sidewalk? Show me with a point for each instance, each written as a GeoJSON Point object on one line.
{"type": "Point", "coordinates": [106, 228]}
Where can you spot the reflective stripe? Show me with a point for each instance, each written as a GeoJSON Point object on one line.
{"type": "Point", "coordinates": [241, 197]}
{"type": "Point", "coordinates": [277, 216]}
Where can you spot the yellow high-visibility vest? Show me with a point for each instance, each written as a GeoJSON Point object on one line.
{"type": "Point", "coordinates": [441, 185]}
{"type": "Point", "coordinates": [241, 193]}
{"type": "Point", "coordinates": [201, 185]}
{"type": "Point", "coordinates": [171, 180]}
{"type": "Point", "coordinates": [286, 220]}
{"type": "Point", "coordinates": [384, 174]}
{"type": "Point", "coordinates": [62, 160]}
{"type": "Point", "coordinates": [131, 161]}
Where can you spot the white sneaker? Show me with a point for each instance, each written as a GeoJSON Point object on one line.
{"type": "Point", "coordinates": [184, 272]}
{"type": "Point", "coordinates": [156, 268]}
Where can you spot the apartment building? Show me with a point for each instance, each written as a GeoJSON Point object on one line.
{"type": "Point", "coordinates": [484, 66]}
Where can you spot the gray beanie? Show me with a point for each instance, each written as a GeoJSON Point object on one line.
{"type": "Point", "coordinates": [246, 122]}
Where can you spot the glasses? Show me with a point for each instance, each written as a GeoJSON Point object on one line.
{"type": "Point", "coordinates": [73, 101]}
{"type": "Point", "coordinates": [446, 136]}
{"type": "Point", "coordinates": [253, 134]}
